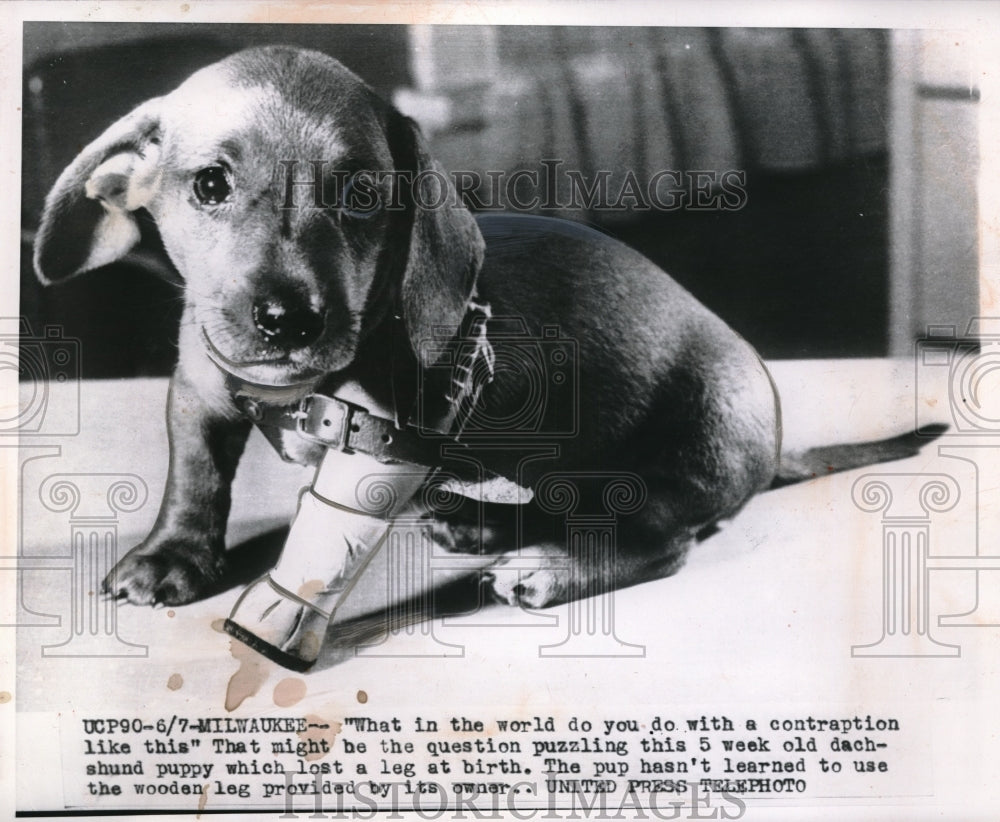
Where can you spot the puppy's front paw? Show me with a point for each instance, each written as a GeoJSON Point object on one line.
{"type": "Point", "coordinates": [534, 578]}
{"type": "Point", "coordinates": [167, 572]}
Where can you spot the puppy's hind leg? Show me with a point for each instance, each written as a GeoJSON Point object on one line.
{"type": "Point", "coordinates": [564, 562]}
{"type": "Point", "coordinates": [546, 574]}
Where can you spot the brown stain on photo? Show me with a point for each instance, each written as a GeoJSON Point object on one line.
{"type": "Point", "coordinates": [309, 590]}
{"type": "Point", "coordinates": [248, 678]}
{"type": "Point", "coordinates": [203, 799]}
{"type": "Point", "coordinates": [987, 295]}
{"type": "Point", "coordinates": [289, 691]}
{"type": "Point", "coordinates": [175, 682]}
{"type": "Point", "coordinates": [319, 729]}
{"type": "Point", "coordinates": [362, 697]}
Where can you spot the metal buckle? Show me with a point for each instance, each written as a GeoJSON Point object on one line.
{"type": "Point", "coordinates": [326, 420]}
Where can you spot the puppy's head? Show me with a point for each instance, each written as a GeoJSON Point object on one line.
{"type": "Point", "coordinates": [282, 188]}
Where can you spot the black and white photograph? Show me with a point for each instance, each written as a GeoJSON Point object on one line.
{"type": "Point", "coordinates": [539, 411]}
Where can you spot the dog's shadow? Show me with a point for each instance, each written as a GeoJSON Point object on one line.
{"type": "Point", "coordinates": [361, 634]}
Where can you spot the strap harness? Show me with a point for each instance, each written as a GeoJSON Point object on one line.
{"type": "Point", "coordinates": [342, 425]}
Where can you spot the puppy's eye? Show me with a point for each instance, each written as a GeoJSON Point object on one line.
{"type": "Point", "coordinates": [362, 197]}
{"type": "Point", "coordinates": [211, 186]}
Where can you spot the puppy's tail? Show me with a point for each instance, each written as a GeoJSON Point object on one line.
{"type": "Point", "coordinates": [829, 459]}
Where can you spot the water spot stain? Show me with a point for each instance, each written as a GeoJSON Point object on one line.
{"type": "Point", "coordinates": [362, 697]}
{"type": "Point", "coordinates": [289, 691]}
{"type": "Point", "coordinates": [318, 731]}
{"type": "Point", "coordinates": [248, 678]}
{"type": "Point", "coordinates": [5, 697]}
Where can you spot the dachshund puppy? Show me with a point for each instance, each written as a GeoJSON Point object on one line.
{"type": "Point", "coordinates": [253, 171]}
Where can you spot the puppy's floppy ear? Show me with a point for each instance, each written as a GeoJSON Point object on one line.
{"type": "Point", "coordinates": [88, 221]}
{"type": "Point", "coordinates": [445, 246]}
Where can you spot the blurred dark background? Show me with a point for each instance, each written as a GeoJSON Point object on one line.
{"type": "Point", "coordinates": [801, 270]}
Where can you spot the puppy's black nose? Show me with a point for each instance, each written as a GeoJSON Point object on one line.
{"type": "Point", "coordinates": [286, 321]}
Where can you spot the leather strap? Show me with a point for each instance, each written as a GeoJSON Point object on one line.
{"type": "Point", "coordinates": [346, 427]}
